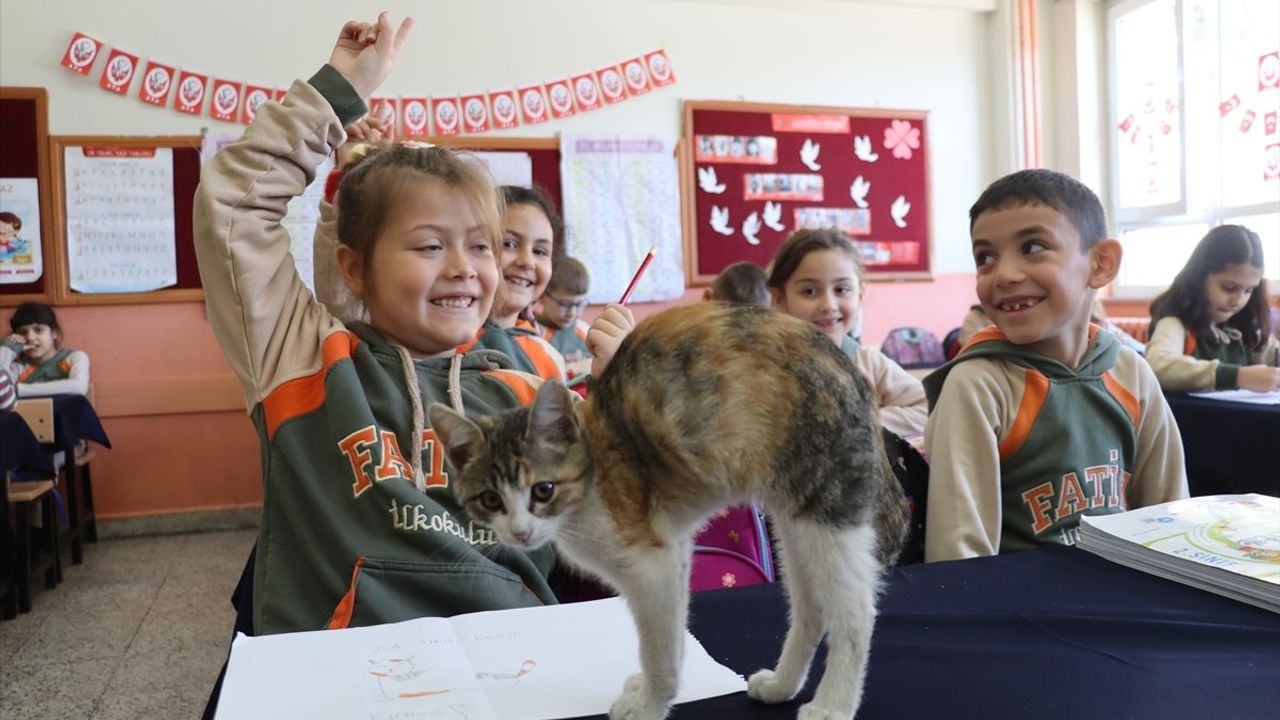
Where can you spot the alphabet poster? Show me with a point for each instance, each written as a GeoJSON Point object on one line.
{"type": "Point", "coordinates": [120, 219]}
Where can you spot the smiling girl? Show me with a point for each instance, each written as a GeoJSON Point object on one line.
{"type": "Point", "coordinates": [359, 525]}
{"type": "Point", "coordinates": [1211, 330]}
{"type": "Point", "coordinates": [817, 276]}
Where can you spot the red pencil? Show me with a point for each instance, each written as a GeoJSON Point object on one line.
{"type": "Point", "coordinates": [648, 259]}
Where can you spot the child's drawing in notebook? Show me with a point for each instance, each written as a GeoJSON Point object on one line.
{"type": "Point", "coordinates": [703, 406]}
{"type": "Point", "coordinates": [398, 678]}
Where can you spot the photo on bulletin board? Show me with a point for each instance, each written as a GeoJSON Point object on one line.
{"type": "Point", "coordinates": [754, 173]}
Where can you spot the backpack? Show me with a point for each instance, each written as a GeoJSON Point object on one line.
{"type": "Point", "coordinates": [951, 344]}
{"type": "Point", "coordinates": [912, 472]}
{"type": "Point", "coordinates": [732, 550]}
{"type": "Point", "coordinates": [913, 347]}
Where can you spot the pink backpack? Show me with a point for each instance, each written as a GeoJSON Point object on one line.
{"type": "Point", "coordinates": [732, 551]}
{"type": "Point", "coordinates": [913, 348]}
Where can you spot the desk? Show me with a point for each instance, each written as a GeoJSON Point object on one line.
{"type": "Point", "coordinates": [1050, 633]}
{"type": "Point", "coordinates": [1231, 447]}
{"type": "Point", "coordinates": [74, 419]}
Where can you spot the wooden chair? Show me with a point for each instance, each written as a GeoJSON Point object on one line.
{"type": "Point", "coordinates": [20, 558]}
{"type": "Point", "coordinates": [83, 526]}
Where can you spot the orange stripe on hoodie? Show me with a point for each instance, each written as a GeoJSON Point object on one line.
{"type": "Point", "coordinates": [304, 394]}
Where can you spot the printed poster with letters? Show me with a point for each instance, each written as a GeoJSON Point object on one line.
{"type": "Point", "coordinates": [621, 197]}
{"type": "Point", "coordinates": [120, 216]}
{"type": "Point", "coordinates": [759, 172]}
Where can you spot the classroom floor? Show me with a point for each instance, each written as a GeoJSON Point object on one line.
{"type": "Point", "coordinates": [139, 630]}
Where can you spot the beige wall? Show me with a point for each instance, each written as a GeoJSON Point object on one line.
{"type": "Point", "coordinates": [169, 400]}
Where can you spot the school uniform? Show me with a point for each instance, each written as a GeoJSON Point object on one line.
{"type": "Point", "coordinates": [1021, 446]}
{"type": "Point", "coordinates": [1184, 362]}
{"type": "Point", "coordinates": [346, 537]}
{"type": "Point", "coordinates": [524, 344]}
{"type": "Point", "coordinates": [570, 342]}
{"type": "Point", "coordinates": [903, 406]}
{"type": "Point", "coordinates": [66, 373]}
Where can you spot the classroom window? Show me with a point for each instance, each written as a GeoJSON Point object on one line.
{"type": "Point", "coordinates": [1194, 90]}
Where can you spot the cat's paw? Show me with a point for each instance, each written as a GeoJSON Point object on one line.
{"type": "Point", "coordinates": [637, 706]}
{"type": "Point", "coordinates": [813, 711]}
{"type": "Point", "coordinates": [633, 684]}
{"type": "Point", "coordinates": [765, 686]}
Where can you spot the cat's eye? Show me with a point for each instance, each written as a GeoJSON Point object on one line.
{"type": "Point", "coordinates": [543, 491]}
{"type": "Point", "coordinates": [490, 500]}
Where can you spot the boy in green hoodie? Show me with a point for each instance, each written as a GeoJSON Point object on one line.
{"type": "Point", "coordinates": [1043, 417]}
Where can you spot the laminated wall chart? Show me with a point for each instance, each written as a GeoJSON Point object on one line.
{"type": "Point", "coordinates": [120, 219]}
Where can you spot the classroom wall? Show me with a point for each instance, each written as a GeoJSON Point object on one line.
{"type": "Point", "coordinates": [186, 445]}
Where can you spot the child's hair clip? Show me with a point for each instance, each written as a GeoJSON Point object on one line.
{"type": "Point", "coordinates": [417, 144]}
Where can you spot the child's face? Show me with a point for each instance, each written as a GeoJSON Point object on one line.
{"type": "Point", "coordinates": [433, 273]}
{"type": "Point", "coordinates": [7, 233]}
{"type": "Point", "coordinates": [1033, 280]}
{"type": "Point", "coordinates": [561, 309]}
{"type": "Point", "coordinates": [40, 340]}
{"type": "Point", "coordinates": [526, 257]}
{"type": "Point", "coordinates": [824, 290]}
{"type": "Point", "coordinates": [1229, 290]}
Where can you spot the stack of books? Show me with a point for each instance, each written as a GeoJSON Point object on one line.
{"type": "Point", "coordinates": [1226, 544]}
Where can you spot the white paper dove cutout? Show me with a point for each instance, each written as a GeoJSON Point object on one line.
{"type": "Point", "coordinates": [720, 220]}
{"type": "Point", "coordinates": [809, 154]}
{"type": "Point", "coordinates": [708, 182]}
{"type": "Point", "coordinates": [750, 227]}
{"type": "Point", "coordinates": [899, 211]}
{"type": "Point", "coordinates": [858, 191]}
{"type": "Point", "coordinates": [862, 149]}
{"type": "Point", "coordinates": [772, 216]}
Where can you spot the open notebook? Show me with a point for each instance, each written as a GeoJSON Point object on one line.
{"type": "Point", "coordinates": [557, 661]}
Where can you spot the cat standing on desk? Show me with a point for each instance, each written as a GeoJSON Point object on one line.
{"type": "Point", "coordinates": [677, 427]}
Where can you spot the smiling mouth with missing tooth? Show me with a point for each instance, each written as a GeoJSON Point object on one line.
{"type": "Point", "coordinates": [1020, 304]}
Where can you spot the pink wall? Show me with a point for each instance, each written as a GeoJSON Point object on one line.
{"type": "Point", "coordinates": [936, 305]}
{"type": "Point", "coordinates": [175, 414]}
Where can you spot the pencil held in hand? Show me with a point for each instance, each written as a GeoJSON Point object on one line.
{"type": "Point", "coordinates": [644, 265]}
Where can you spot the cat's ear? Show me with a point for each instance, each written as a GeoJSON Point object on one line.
{"type": "Point", "coordinates": [463, 440]}
{"type": "Point", "coordinates": [552, 419]}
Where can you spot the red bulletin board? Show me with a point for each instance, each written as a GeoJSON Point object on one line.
{"type": "Point", "coordinates": [24, 117]}
{"type": "Point", "coordinates": [757, 153]}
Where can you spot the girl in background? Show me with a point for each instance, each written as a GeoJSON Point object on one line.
{"type": "Point", "coordinates": [530, 229]}
{"type": "Point", "coordinates": [817, 276]}
{"type": "Point", "coordinates": [33, 356]}
{"type": "Point", "coordinates": [1211, 330]}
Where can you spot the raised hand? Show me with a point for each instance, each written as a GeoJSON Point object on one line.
{"type": "Point", "coordinates": [607, 332]}
{"type": "Point", "coordinates": [365, 52]}
{"type": "Point", "coordinates": [367, 130]}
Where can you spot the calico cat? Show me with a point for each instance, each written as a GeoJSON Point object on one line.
{"type": "Point", "coordinates": [703, 406]}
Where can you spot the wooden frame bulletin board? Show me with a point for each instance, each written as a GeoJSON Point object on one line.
{"type": "Point", "coordinates": [24, 153]}
{"type": "Point", "coordinates": [186, 176]}
{"type": "Point", "coordinates": [756, 152]}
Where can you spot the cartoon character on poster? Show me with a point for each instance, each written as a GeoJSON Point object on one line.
{"type": "Point", "coordinates": [20, 253]}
